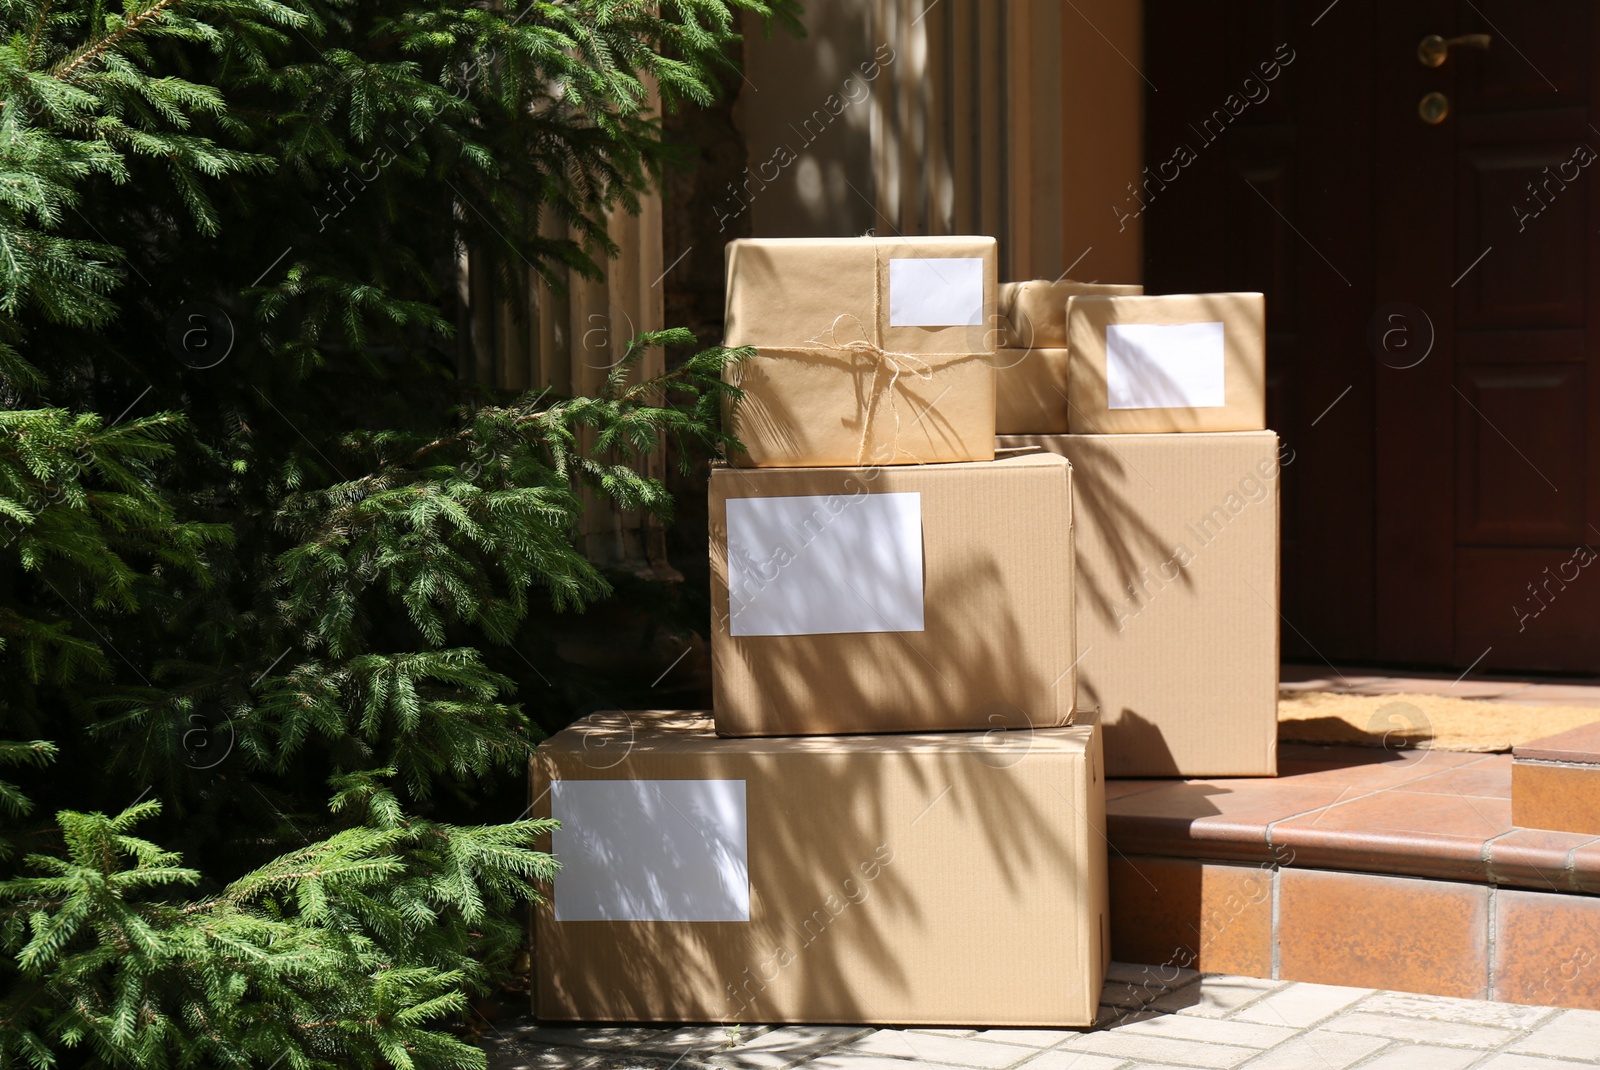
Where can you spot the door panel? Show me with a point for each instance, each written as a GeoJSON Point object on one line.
{"type": "Point", "coordinates": [1525, 432]}
{"type": "Point", "coordinates": [1426, 495]}
{"type": "Point", "coordinates": [1533, 609]}
{"type": "Point", "coordinates": [1521, 438]}
{"type": "Point", "coordinates": [1539, 55]}
{"type": "Point", "coordinates": [1223, 224]}
{"type": "Point", "coordinates": [1329, 590]}
{"type": "Point", "coordinates": [1515, 204]}
{"type": "Point", "coordinates": [1533, 346]}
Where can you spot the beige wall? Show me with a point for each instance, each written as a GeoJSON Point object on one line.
{"type": "Point", "coordinates": [1102, 130]}
{"type": "Point", "coordinates": [1020, 118]}
{"type": "Point", "coordinates": [805, 112]}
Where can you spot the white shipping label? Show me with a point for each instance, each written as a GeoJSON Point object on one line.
{"type": "Point", "coordinates": [817, 565]}
{"type": "Point", "coordinates": [936, 292]}
{"type": "Point", "coordinates": [1164, 366]}
{"type": "Point", "coordinates": [650, 850]}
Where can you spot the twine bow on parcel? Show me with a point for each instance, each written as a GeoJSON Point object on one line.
{"type": "Point", "coordinates": [883, 360]}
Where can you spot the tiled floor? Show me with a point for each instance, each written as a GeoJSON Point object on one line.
{"type": "Point", "coordinates": [1151, 1018]}
{"type": "Point", "coordinates": [1555, 781]}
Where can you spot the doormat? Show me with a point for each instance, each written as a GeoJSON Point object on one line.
{"type": "Point", "coordinates": [1431, 722]}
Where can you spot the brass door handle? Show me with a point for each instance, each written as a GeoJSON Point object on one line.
{"type": "Point", "coordinates": [1434, 50]}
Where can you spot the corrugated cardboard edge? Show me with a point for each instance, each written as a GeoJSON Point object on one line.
{"type": "Point", "coordinates": [1097, 863]}
{"type": "Point", "coordinates": [1072, 625]}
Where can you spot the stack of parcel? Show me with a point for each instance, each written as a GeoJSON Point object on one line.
{"type": "Point", "coordinates": [1159, 403]}
{"type": "Point", "coordinates": [892, 816]}
{"type": "Point", "coordinates": [895, 813]}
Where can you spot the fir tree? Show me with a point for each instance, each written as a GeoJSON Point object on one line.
{"type": "Point", "coordinates": [269, 572]}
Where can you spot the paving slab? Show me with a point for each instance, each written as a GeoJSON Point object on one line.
{"type": "Point", "coordinates": [1427, 1030]}
{"type": "Point", "coordinates": [1529, 1062]}
{"type": "Point", "coordinates": [1032, 1038]}
{"type": "Point", "coordinates": [1214, 997]}
{"type": "Point", "coordinates": [789, 1046]}
{"type": "Point", "coordinates": [926, 1048]}
{"type": "Point", "coordinates": [1077, 1060]}
{"type": "Point", "coordinates": [1423, 1057]}
{"type": "Point", "coordinates": [1195, 1053]}
{"type": "Point", "coordinates": [1174, 1019]}
{"type": "Point", "coordinates": [1569, 1034]}
{"type": "Point", "coordinates": [1301, 1004]}
{"type": "Point", "coordinates": [1179, 1027]}
{"type": "Point", "coordinates": [1447, 1009]}
{"type": "Point", "coordinates": [1322, 1050]}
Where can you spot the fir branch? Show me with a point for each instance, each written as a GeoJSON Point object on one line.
{"type": "Point", "coordinates": [68, 67]}
{"type": "Point", "coordinates": [298, 167]}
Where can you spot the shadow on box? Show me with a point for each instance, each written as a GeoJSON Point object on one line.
{"type": "Point", "coordinates": [766, 414]}
{"type": "Point", "coordinates": [1133, 545]}
{"type": "Point", "coordinates": [833, 819]}
{"type": "Point", "coordinates": [968, 606]}
{"type": "Point", "coordinates": [806, 922]}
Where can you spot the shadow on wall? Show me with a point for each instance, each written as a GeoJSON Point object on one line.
{"type": "Point", "coordinates": [870, 875]}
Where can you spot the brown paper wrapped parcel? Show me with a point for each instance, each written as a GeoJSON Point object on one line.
{"type": "Point", "coordinates": [949, 879]}
{"type": "Point", "coordinates": [1151, 365]}
{"type": "Point", "coordinates": [870, 350]}
{"type": "Point", "coordinates": [1030, 387]}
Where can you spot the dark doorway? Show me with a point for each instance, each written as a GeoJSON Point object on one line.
{"type": "Point", "coordinates": [1433, 297]}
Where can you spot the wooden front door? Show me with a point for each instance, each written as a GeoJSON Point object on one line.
{"type": "Point", "coordinates": [1433, 304]}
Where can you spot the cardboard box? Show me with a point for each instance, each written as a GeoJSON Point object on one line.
{"type": "Point", "coordinates": [936, 880]}
{"type": "Point", "coordinates": [1034, 313]}
{"type": "Point", "coordinates": [906, 599]}
{"type": "Point", "coordinates": [1149, 365]}
{"type": "Point", "coordinates": [1177, 553]}
{"type": "Point", "coordinates": [1030, 386]}
{"type": "Point", "coordinates": [870, 350]}
{"type": "Point", "coordinates": [1030, 391]}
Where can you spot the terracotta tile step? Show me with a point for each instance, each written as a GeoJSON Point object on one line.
{"type": "Point", "coordinates": [1411, 813]}
{"type": "Point", "coordinates": [1434, 937]}
{"type": "Point", "coordinates": [1580, 746]}
{"type": "Point", "coordinates": [1555, 782]}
